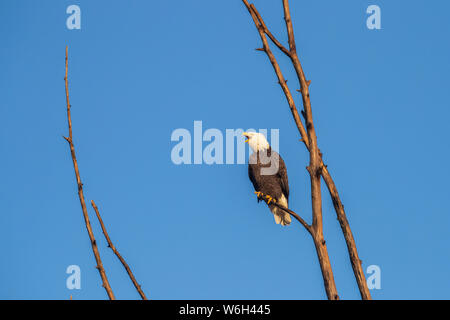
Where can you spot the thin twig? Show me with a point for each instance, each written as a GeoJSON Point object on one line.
{"type": "Point", "coordinates": [69, 139]}
{"type": "Point", "coordinates": [113, 248]}
{"type": "Point", "coordinates": [292, 213]}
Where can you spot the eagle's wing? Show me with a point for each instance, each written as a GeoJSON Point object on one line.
{"type": "Point", "coordinates": [282, 173]}
{"type": "Point", "coordinates": [252, 176]}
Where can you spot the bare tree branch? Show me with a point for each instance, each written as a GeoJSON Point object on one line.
{"type": "Point", "coordinates": [315, 164]}
{"type": "Point", "coordinates": [69, 139]}
{"type": "Point", "coordinates": [269, 34]}
{"type": "Point", "coordinates": [292, 213]}
{"type": "Point", "coordinates": [348, 235]}
{"type": "Point", "coordinates": [113, 248]}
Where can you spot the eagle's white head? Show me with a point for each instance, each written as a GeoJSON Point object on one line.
{"type": "Point", "coordinates": [257, 141]}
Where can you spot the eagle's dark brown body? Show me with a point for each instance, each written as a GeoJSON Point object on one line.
{"type": "Point", "coordinates": [268, 174]}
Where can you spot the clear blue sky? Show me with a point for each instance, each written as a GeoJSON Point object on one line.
{"type": "Point", "coordinates": [140, 69]}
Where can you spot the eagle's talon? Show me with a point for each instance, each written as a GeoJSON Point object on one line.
{"type": "Point", "coordinates": [259, 194]}
{"type": "Point", "coordinates": [270, 199]}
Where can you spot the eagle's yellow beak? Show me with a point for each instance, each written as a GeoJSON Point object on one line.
{"type": "Point", "coordinates": [245, 134]}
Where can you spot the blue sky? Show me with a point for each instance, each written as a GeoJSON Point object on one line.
{"type": "Point", "coordinates": [141, 69]}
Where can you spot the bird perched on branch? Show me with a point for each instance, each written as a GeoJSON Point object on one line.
{"type": "Point", "coordinates": [267, 172]}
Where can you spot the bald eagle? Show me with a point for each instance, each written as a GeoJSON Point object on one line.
{"type": "Point", "coordinates": [267, 172]}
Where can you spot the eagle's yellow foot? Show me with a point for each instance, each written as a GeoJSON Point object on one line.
{"type": "Point", "coordinates": [270, 199]}
{"type": "Point", "coordinates": [259, 194]}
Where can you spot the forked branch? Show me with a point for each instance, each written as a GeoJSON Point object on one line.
{"type": "Point", "coordinates": [339, 208]}
{"type": "Point", "coordinates": [69, 139]}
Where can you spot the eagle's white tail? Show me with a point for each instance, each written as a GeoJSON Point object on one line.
{"type": "Point", "coordinates": [281, 216]}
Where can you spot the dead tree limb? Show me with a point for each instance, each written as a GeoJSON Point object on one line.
{"type": "Point", "coordinates": [69, 139]}
{"type": "Point", "coordinates": [339, 208]}
{"type": "Point", "coordinates": [292, 213]}
{"type": "Point", "coordinates": [315, 164]}
{"type": "Point", "coordinates": [304, 90]}
{"type": "Point", "coordinates": [119, 256]}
